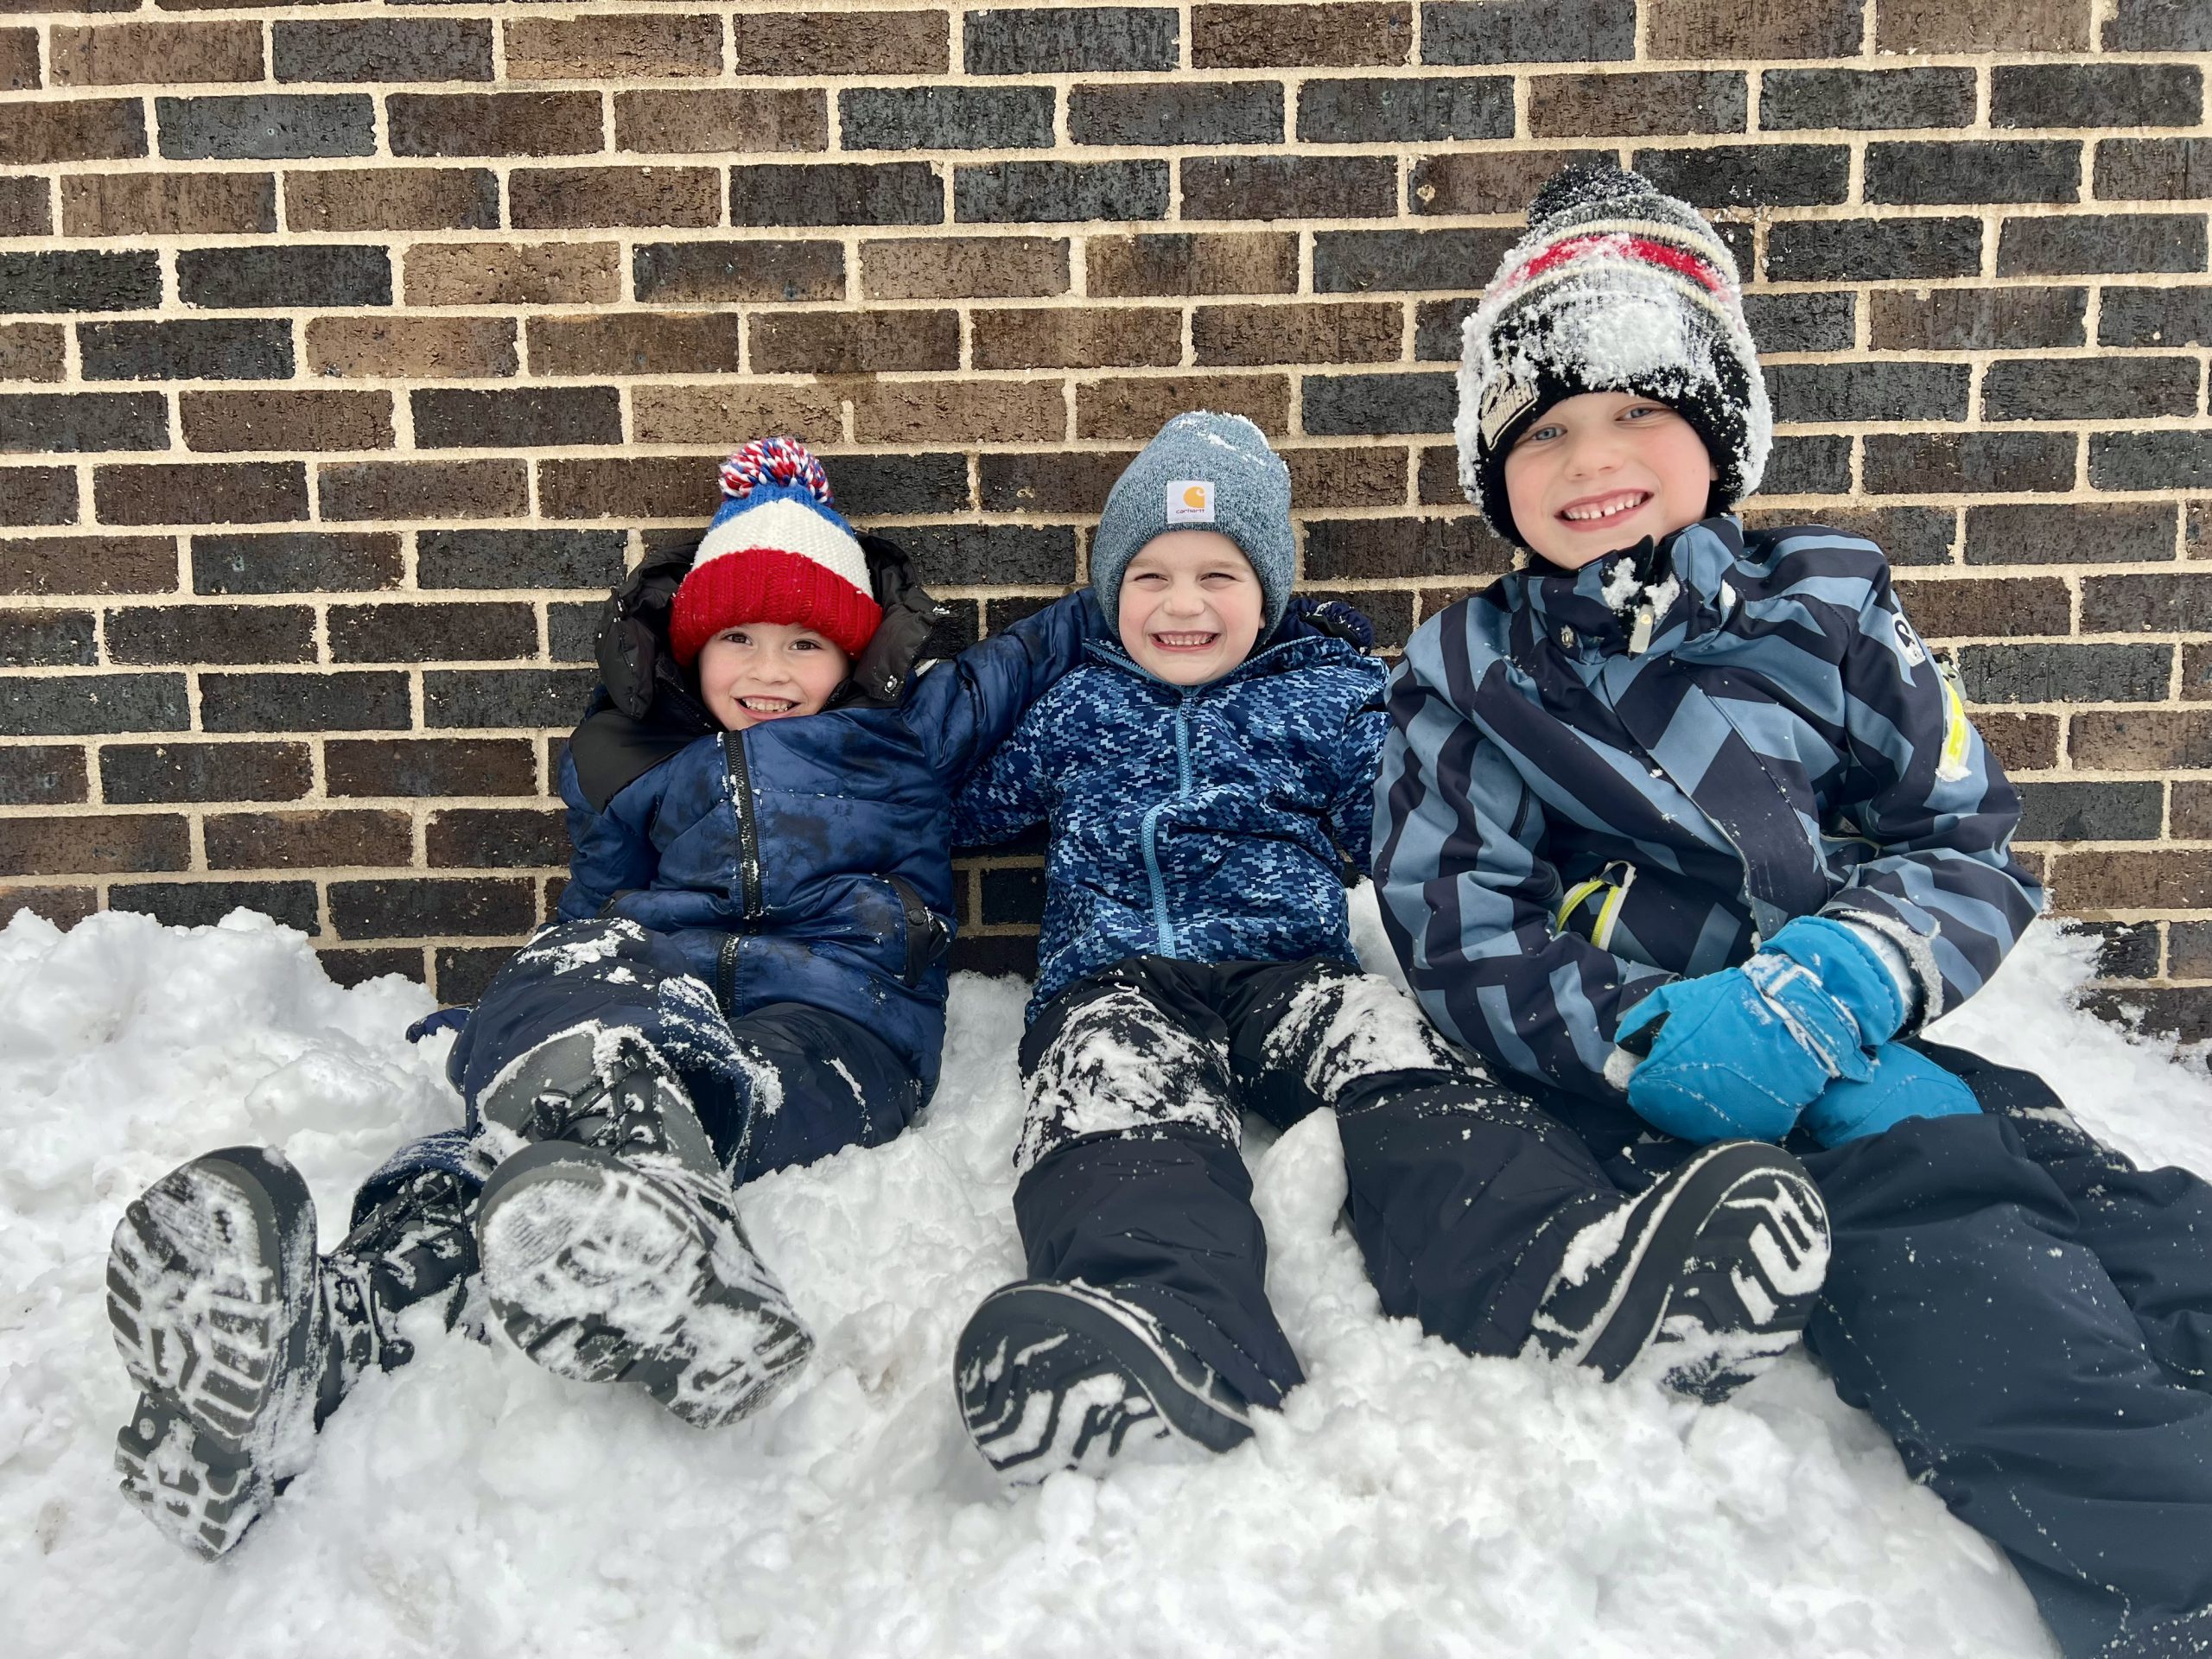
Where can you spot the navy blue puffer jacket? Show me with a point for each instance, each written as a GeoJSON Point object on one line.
{"type": "Point", "coordinates": [808, 860]}
{"type": "Point", "coordinates": [1210, 823]}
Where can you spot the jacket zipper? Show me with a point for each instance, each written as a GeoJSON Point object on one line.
{"type": "Point", "coordinates": [1163, 926]}
{"type": "Point", "coordinates": [748, 863]}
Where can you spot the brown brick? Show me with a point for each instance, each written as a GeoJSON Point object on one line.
{"type": "Point", "coordinates": [1982, 608]}
{"type": "Point", "coordinates": [711, 414]}
{"type": "Point", "coordinates": [18, 60]}
{"type": "Point", "coordinates": [1569, 106]}
{"type": "Point", "coordinates": [960, 411]}
{"type": "Point", "coordinates": [75, 130]}
{"type": "Point", "coordinates": [2172, 878]}
{"type": "Point", "coordinates": [632, 487]}
{"type": "Point", "coordinates": [459, 632]}
{"type": "Point", "coordinates": [494, 123]}
{"type": "Point", "coordinates": [964, 267]}
{"type": "Point", "coordinates": [496, 838]}
{"type": "Point", "coordinates": [514, 273]}
{"type": "Point", "coordinates": [94, 844]}
{"type": "Point", "coordinates": [400, 490]}
{"type": "Point", "coordinates": [411, 348]}
{"type": "Point", "coordinates": [1239, 335]}
{"type": "Point", "coordinates": [1343, 35]}
{"type": "Point", "coordinates": [2141, 739]}
{"type": "Point", "coordinates": [1184, 262]}
{"type": "Point", "coordinates": [1981, 25]}
{"type": "Point", "coordinates": [855, 342]}
{"type": "Point", "coordinates": [38, 495]}
{"type": "Point", "coordinates": [1138, 408]}
{"type": "Point", "coordinates": [842, 44]}
{"type": "Point", "coordinates": [168, 204]}
{"type": "Point", "coordinates": [572, 198]}
{"type": "Point", "coordinates": [163, 54]}
{"type": "Point", "coordinates": [230, 492]}
{"type": "Point", "coordinates": [2189, 950]}
{"type": "Point", "coordinates": [285, 421]}
{"type": "Point", "coordinates": [638, 47]}
{"type": "Point", "coordinates": [720, 121]}
{"type": "Point", "coordinates": [2189, 813]}
{"type": "Point", "coordinates": [637, 342]}
{"type": "Point", "coordinates": [1122, 336]}
{"type": "Point", "coordinates": [2020, 742]}
{"type": "Point", "coordinates": [1703, 30]}
{"type": "Point", "coordinates": [1346, 478]}
{"type": "Point", "coordinates": [26, 207]}
{"type": "Point", "coordinates": [1497, 181]}
{"type": "Point", "coordinates": [393, 199]}
{"type": "Point", "coordinates": [64, 906]}
{"type": "Point", "coordinates": [387, 767]}
{"type": "Point", "coordinates": [1965, 319]}
{"type": "Point", "coordinates": [87, 564]}
{"type": "Point", "coordinates": [308, 840]}
{"type": "Point", "coordinates": [33, 351]}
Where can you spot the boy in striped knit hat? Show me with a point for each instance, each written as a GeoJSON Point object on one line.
{"type": "Point", "coordinates": [1683, 824]}
{"type": "Point", "coordinates": [746, 974]}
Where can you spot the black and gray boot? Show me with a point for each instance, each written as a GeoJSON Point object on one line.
{"type": "Point", "coordinates": [612, 1248]}
{"type": "Point", "coordinates": [242, 1341]}
{"type": "Point", "coordinates": [1711, 1273]}
{"type": "Point", "coordinates": [1065, 1376]}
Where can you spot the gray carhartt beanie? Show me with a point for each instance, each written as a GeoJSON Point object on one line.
{"type": "Point", "coordinates": [1203, 472]}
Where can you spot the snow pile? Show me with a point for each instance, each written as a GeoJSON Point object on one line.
{"type": "Point", "coordinates": [1409, 1502]}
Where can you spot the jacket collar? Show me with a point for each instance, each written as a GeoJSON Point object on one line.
{"type": "Point", "coordinates": [1682, 582]}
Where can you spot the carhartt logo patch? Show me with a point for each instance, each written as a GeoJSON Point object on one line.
{"type": "Point", "coordinates": [1509, 396]}
{"type": "Point", "coordinates": [1190, 501]}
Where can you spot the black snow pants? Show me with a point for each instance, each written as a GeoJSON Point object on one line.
{"type": "Point", "coordinates": [1463, 1195]}
{"type": "Point", "coordinates": [2029, 1316]}
{"type": "Point", "coordinates": [782, 1084]}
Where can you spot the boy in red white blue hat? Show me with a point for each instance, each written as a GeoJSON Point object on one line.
{"type": "Point", "coordinates": [748, 973]}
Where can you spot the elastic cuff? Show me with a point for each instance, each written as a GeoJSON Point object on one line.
{"type": "Point", "coordinates": [1900, 946]}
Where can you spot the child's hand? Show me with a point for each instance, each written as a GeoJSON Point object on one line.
{"type": "Point", "coordinates": [1904, 1084]}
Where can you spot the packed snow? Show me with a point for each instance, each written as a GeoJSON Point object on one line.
{"type": "Point", "coordinates": [1408, 1502]}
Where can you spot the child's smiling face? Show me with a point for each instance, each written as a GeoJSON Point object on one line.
{"type": "Point", "coordinates": [760, 671]}
{"type": "Point", "coordinates": [1189, 607]}
{"type": "Point", "coordinates": [1602, 470]}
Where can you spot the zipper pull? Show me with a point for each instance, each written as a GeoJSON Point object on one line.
{"type": "Point", "coordinates": [1639, 639]}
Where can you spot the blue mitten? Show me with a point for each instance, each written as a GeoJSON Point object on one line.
{"type": "Point", "coordinates": [1904, 1084]}
{"type": "Point", "coordinates": [1740, 1054]}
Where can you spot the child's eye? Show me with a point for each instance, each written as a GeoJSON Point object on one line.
{"type": "Point", "coordinates": [806, 644]}
{"type": "Point", "coordinates": [1542, 435]}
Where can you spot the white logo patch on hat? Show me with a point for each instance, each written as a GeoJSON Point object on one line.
{"type": "Point", "coordinates": [1507, 397]}
{"type": "Point", "coordinates": [1190, 501]}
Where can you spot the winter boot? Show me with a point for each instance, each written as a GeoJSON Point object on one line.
{"type": "Point", "coordinates": [242, 1342]}
{"type": "Point", "coordinates": [612, 1249]}
{"type": "Point", "coordinates": [1712, 1273]}
{"type": "Point", "coordinates": [1054, 1376]}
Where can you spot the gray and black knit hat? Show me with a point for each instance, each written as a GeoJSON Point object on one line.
{"type": "Point", "coordinates": [1616, 288]}
{"type": "Point", "coordinates": [1202, 471]}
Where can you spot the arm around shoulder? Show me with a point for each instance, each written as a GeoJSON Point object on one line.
{"type": "Point", "coordinates": [965, 709]}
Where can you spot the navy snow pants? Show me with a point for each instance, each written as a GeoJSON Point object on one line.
{"type": "Point", "coordinates": [781, 1084]}
{"type": "Point", "coordinates": [1463, 1195]}
{"type": "Point", "coordinates": [2029, 1316]}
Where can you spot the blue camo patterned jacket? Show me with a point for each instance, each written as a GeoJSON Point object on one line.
{"type": "Point", "coordinates": [1211, 823]}
{"type": "Point", "coordinates": [1564, 823]}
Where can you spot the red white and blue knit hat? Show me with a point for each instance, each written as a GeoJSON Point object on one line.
{"type": "Point", "coordinates": [1617, 286]}
{"type": "Point", "coordinates": [775, 551]}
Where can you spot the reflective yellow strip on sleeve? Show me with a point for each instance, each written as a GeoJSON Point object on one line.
{"type": "Point", "coordinates": [1958, 731]}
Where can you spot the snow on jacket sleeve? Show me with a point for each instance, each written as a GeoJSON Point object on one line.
{"type": "Point", "coordinates": [1466, 892]}
{"type": "Point", "coordinates": [964, 709]}
{"type": "Point", "coordinates": [1923, 787]}
{"type": "Point", "coordinates": [608, 853]}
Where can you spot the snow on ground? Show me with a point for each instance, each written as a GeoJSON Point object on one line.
{"type": "Point", "coordinates": [1409, 1502]}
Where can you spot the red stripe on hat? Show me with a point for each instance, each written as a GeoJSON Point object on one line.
{"type": "Point", "coordinates": [766, 584]}
{"type": "Point", "coordinates": [1680, 260]}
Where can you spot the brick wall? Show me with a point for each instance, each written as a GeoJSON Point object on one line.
{"type": "Point", "coordinates": [350, 350]}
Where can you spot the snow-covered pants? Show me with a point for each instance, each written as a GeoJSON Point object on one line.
{"type": "Point", "coordinates": [2029, 1316]}
{"type": "Point", "coordinates": [780, 1084]}
{"type": "Point", "coordinates": [1462, 1194]}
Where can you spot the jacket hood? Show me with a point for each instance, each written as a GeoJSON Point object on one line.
{"type": "Point", "coordinates": [647, 708]}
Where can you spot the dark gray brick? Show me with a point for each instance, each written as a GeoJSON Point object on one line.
{"type": "Point", "coordinates": [58, 423]}
{"type": "Point", "coordinates": [1352, 262]}
{"type": "Point", "coordinates": [43, 775]}
{"type": "Point", "coordinates": [1815, 464]}
{"type": "Point", "coordinates": [2048, 169]}
{"type": "Point", "coordinates": [266, 126]}
{"type": "Point", "coordinates": [1994, 463]}
{"type": "Point", "coordinates": [1865, 99]}
{"type": "Point", "coordinates": [837, 193]}
{"type": "Point", "coordinates": [1873, 250]}
{"type": "Point", "coordinates": [946, 117]}
{"type": "Point", "coordinates": [524, 417]}
{"type": "Point", "coordinates": [1373, 112]}
{"type": "Point", "coordinates": [47, 639]}
{"type": "Point", "coordinates": [2096, 95]}
{"type": "Point", "coordinates": [2056, 533]}
{"type": "Point", "coordinates": [1059, 192]}
{"type": "Point", "coordinates": [84, 705]}
{"type": "Point", "coordinates": [1220, 113]}
{"type": "Point", "coordinates": [203, 904]}
{"type": "Point", "coordinates": [2168, 602]}
{"type": "Point", "coordinates": [2153, 170]}
{"type": "Point", "coordinates": [506, 697]}
{"type": "Point", "coordinates": [211, 348]}
{"type": "Point", "coordinates": [2151, 460]}
{"type": "Point", "coordinates": [134, 774]}
{"type": "Point", "coordinates": [869, 486]}
{"type": "Point", "coordinates": [1346, 403]}
{"type": "Point", "coordinates": [304, 702]}
{"type": "Point", "coordinates": [412, 906]}
{"type": "Point", "coordinates": [1343, 549]}
{"type": "Point", "coordinates": [2089, 388]}
{"type": "Point", "coordinates": [2099, 811]}
{"type": "Point", "coordinates": [1289, 187]}
{"type": "Point", "coordinates": [2080, 244]}
{"type": "Point", "coordinates": [284, 274]}
{"type": "Point", "coordinates": [1076, 40]}
{"type": "Point", "coordinates": [211, 633]}
{"type": "Point", "coordinates": [1737, 176]}
{"type": "Point", "coordinates": [572, 631]}
{"type": "Point", "coordinates": [518, 558]}
{"type": "Point", "coordinates": [300, 561]}
{"type": "Point", "coordinates": [964, 555]}
{"type": "Point", "coordinates": [382, 49]}
{"type": "Point", "coordinates": [2158, 26]}
{"type": "Point", "coordinates": [1801, 323]}
{"type": "Point", "coordinates": [1440, 325]}
{"type": "Point", "coordinates": [2067, 674]}
{"type": "Point", "coordinates": [2155, 316]}
{"type": "Point", "coordinates": [75, 280]}
{"type": "Point", "coordinates": [1530, 31]}
{"type": "Point", "coordinates": [782, 269]}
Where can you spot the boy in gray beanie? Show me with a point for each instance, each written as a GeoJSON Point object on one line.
{"type": "Point", "coordinates": [1209, 787]}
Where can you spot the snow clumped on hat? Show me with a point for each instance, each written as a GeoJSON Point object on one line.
{"type": "Point", "coordinates": [775, 551]}
{"type": "Point", "coordinates": [1202, 471]}
{"type": "Point", "coordinates": [1615, 288]}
